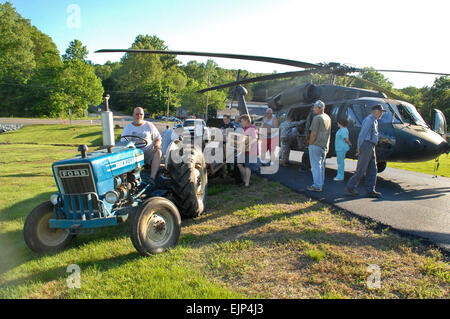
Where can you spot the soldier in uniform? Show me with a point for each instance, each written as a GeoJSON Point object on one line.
{"type": "Point", "coordinates": [286, 137]}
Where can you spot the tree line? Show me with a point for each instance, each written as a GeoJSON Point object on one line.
{"type": "Point", "coordinates": [36, 81]}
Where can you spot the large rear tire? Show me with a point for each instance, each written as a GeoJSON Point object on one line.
{"type": "Point", "coordinates": [155, 226]}
{"type": "Point", "coordinates": [38, 235]}
{"type": "Point", "coordinates": [189, 181]}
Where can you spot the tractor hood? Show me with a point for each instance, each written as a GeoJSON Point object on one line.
{"type": "Point", "coordinates": [96, 172]}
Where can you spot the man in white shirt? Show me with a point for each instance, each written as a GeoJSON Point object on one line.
{"type": "Point", "coordinates": [147, 131]}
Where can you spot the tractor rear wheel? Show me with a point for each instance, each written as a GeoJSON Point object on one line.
{"type": "Point", "coordinates": [155, 226]}
{"type": "Point", "coordinates": [189, 181]}
{"type": "Point", "coordinates": [38, 235]}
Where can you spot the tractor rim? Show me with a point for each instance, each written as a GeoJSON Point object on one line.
{"type": "Point", "coordinates": [51, 237]}
{"type": "Point", "coordinates": [198, 180]}
{"type": "Point", "coordinates": [160, 227]}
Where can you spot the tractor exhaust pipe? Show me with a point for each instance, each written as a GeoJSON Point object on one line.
{"type": "Point", "coordinates": [108, 126]}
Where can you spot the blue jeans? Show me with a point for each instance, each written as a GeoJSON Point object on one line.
{"type": "Point", "coordinates": [317, 157]}
{"type": "Point", "coordinates": [341, 164]}
{"type": "Point", "coordinates": [367, 165]}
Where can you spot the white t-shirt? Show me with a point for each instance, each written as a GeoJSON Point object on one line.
{"type": "Point", "coordinates": [147, 131]}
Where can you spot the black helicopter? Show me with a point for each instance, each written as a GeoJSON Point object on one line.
{"type": "Point", "coordinates": [404, 135]}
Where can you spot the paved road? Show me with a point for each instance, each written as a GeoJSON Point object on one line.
{"type": "Point", "coordinates": [414, 203]}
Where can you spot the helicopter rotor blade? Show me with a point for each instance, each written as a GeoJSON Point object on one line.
{"type": "Point", "coordinates": [378, 87]}
{"type": "Point", "coordinates": [264, 78]}
{"type": "Point", "coordinates": [403, 71]}
{"type": "Point", "coordinates": [218, 55]}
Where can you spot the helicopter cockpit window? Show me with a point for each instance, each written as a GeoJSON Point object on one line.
{"type": "Point", "coordinates": [409, 114]}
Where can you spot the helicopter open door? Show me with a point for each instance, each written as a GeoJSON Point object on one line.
{"type": "Point", "coordinates": [438, 123]}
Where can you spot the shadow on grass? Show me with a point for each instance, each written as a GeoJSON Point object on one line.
{"type": "Point", "coordinates": [59, 273]}
{"type": "Point", "coordinates": [20, 210]}
{"type": "Point", "coordinates": [17, 253]}
{"type": "Point", "coordinates": [27, 175]}
{"type": "Point", "coordinates": [315, 234]}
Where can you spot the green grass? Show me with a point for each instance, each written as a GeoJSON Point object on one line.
{"type": "Point", "coordinates": [426, 167]}
{"type": "Point", "coordinates": [247, 245]}
{"type": "Point", "coordinates": [315, 254]}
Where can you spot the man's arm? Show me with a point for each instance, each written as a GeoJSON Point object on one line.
{"type": "Point", "coordinates": [365, 128]}
{"type": "Point", "coordinates": [156, 137]}
{"type": "Point", "coordinates": [314, 128]}
{"type": "Point", "coordinates": [312, 138]}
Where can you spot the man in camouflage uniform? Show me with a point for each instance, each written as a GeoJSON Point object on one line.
{"type": "Point", "coordinates": [286, 137]}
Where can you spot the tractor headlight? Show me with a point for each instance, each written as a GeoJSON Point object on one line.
{"type": "Point", "coordinates": [54, 199]}
{"type": "Point", "coordinates": [112, 197]}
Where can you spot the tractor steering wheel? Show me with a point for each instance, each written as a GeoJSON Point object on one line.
{"type": "Point", "coordinates": [141, 143]}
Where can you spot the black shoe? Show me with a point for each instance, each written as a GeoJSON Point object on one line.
{"type": "Point", "coordinates": [313, 189]}
{"type": "Point", "coordinates": [352, 192]}
{"type": "Point", "coordinates": [373, 195]}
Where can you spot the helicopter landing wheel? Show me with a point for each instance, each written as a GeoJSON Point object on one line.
{"type": "Point", "coordinates": [381, 166]}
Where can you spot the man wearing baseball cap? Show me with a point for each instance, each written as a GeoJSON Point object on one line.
{"type": "Point", "coordinates": [319, 141]}
{"type": "Point", "coordinates": [367, 160]}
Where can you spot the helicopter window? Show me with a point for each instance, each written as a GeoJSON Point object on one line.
{"type": "Point", "coordinates": [358, 109]}
{"type": "Point", "coordinates": [335, 112]}
{"type": "Point", "coordinates": [409, 114]}
{"type": "Point", "coordinates": [388, 116]}
{"type": "Point", "coordinates": [352, 118]}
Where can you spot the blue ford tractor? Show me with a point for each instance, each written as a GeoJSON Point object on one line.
{"type": "Point", "coordinates": [112, 185]}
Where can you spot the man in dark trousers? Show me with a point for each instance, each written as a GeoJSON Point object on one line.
{"type": "Point", "coordinates": [367, 160]}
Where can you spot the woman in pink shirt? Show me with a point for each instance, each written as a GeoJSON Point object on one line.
{"type": "Point", "coordinates": [251, 150]}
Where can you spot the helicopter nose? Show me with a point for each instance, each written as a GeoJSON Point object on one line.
{"type": "Point", "coordinates": [417, 144]}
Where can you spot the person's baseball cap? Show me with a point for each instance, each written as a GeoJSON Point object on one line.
{"type": "Point", "coordinates": [378, 107]}
{"type": "Point", "coordinates": [319, 104]}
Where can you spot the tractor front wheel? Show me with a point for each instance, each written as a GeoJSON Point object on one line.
{"type": "Point", "coordinates": [38, 235]}
{"type": "Point", "coordinates": [155, 227]}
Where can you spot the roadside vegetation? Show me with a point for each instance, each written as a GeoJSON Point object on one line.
{"type": "Point", "coordinates": [427, 167]}
{"type": "Point", "coordinates": [265, 241]}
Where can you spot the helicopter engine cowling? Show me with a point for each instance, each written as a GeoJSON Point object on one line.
{"type": "Point", "coordinates": [306, 93]}
{"type": "Point", "coordinates": [309, 93]}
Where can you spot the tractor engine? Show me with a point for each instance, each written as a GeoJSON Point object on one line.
{"type": "Point", "coordinates": [92, 185]}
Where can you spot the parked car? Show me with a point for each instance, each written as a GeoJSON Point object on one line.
{"type": "Point", "coordinates": [192, 124]}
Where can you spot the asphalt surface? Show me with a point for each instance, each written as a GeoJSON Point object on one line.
{"type": "Point", "coordinates": [414, 203]}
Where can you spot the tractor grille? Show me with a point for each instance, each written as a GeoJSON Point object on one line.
{"type": "Point", "coordinates": [75, 179]}
{"type": "Point", "coordinates": [79, 205]}
{"type": "Point", "coordinates": [78, 189]}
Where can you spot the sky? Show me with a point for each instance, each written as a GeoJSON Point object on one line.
{"type": "Point", "coordinates": [384, 34]}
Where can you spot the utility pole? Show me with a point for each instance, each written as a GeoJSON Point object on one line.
{"type": "Point", "coordinates": [207, 98]}
{"type": "Point", "coordinates": [168, 103]}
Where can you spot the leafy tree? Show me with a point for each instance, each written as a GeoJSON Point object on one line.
{"type": "Point", "coordinates": [437, 97]}
{"type": "Point", "coordinates": [16, 46]}
{"type": "Point", "coordinates": [76, 51]}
